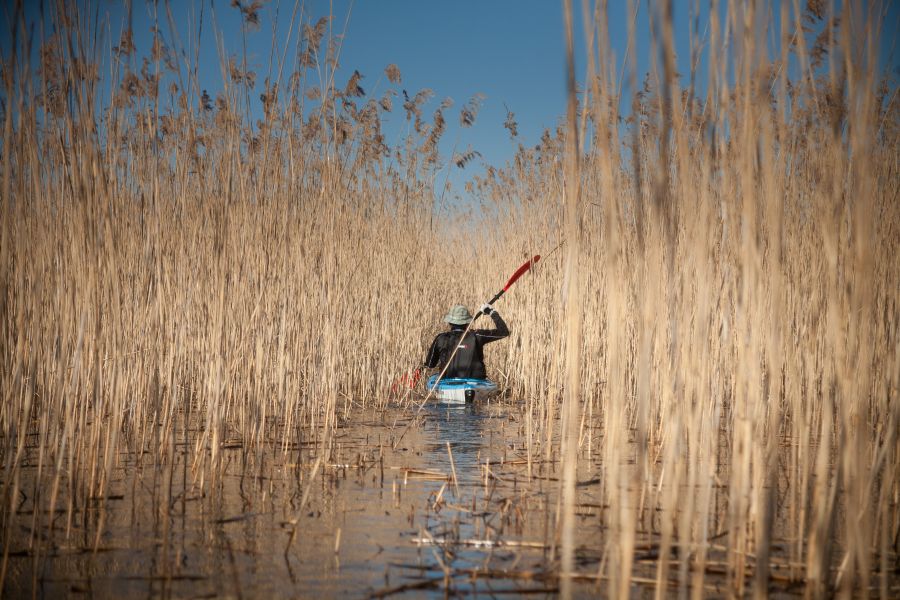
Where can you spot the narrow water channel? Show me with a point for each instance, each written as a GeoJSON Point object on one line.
{"type": "Point", "coordinates": [422, 518]}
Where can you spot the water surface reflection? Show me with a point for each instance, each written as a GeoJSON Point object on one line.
{"type": "Point", "coordinates": [359, 532]}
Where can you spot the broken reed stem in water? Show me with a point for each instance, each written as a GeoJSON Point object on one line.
{"type": "Point", "coordinates": [453, 471]}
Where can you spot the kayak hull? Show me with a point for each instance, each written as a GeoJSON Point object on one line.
{"type": "Point", "coordinates": [461, 390]}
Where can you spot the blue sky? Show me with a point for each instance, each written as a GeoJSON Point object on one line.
{"type": "Point", "coordinates": [511, 51]}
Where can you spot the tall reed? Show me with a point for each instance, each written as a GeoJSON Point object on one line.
{"type": "Point", "coordinates": [176, 269]}
{"type": "Point", "coordinates": [740, 299]}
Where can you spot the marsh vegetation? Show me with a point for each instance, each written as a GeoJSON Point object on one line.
{"type": "Point", "coordinates": [197, 361]}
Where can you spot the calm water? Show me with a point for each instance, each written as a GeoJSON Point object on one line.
{"type": "Point", "coordinates": [377, 521]}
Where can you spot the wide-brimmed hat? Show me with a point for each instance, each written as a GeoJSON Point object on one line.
{"type": "Point", "coordinates": [458, 315]}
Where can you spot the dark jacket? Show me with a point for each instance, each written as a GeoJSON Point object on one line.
{"type": "Point", "coordinates": [469, 359]}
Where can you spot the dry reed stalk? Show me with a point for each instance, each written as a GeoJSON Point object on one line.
{"type": "Point", "coordinates": [453, 471]}
{"type": "Point", "coordinates": [572, 293]}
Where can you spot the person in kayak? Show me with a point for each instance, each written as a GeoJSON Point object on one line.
{"type": "Point", "coordinates": [469, 358]}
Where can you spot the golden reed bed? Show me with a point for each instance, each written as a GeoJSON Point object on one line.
{"type": "Point", "coordinates": [720, 324]}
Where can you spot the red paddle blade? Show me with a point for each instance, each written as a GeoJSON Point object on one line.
{"type": "Point", "coordinates": [521, 271]}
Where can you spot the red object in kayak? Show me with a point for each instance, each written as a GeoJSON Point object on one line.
{"type": "Point", "coordinates": [409, 380]}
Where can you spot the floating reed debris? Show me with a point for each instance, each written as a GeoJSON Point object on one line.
{"type": "Point", "coordinates": [440, 541]}
{"type": "Point", "coordinates": [428, 474]}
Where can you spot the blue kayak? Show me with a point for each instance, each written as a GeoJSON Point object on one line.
{"type": "Point", "coordinates": [460, 390]}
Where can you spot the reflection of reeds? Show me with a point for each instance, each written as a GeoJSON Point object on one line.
{"type": "Point", "coordinates": [176, 275]}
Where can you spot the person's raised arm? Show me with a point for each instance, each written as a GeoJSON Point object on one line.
{"type": "Point", "coordinates": [500, 330]}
